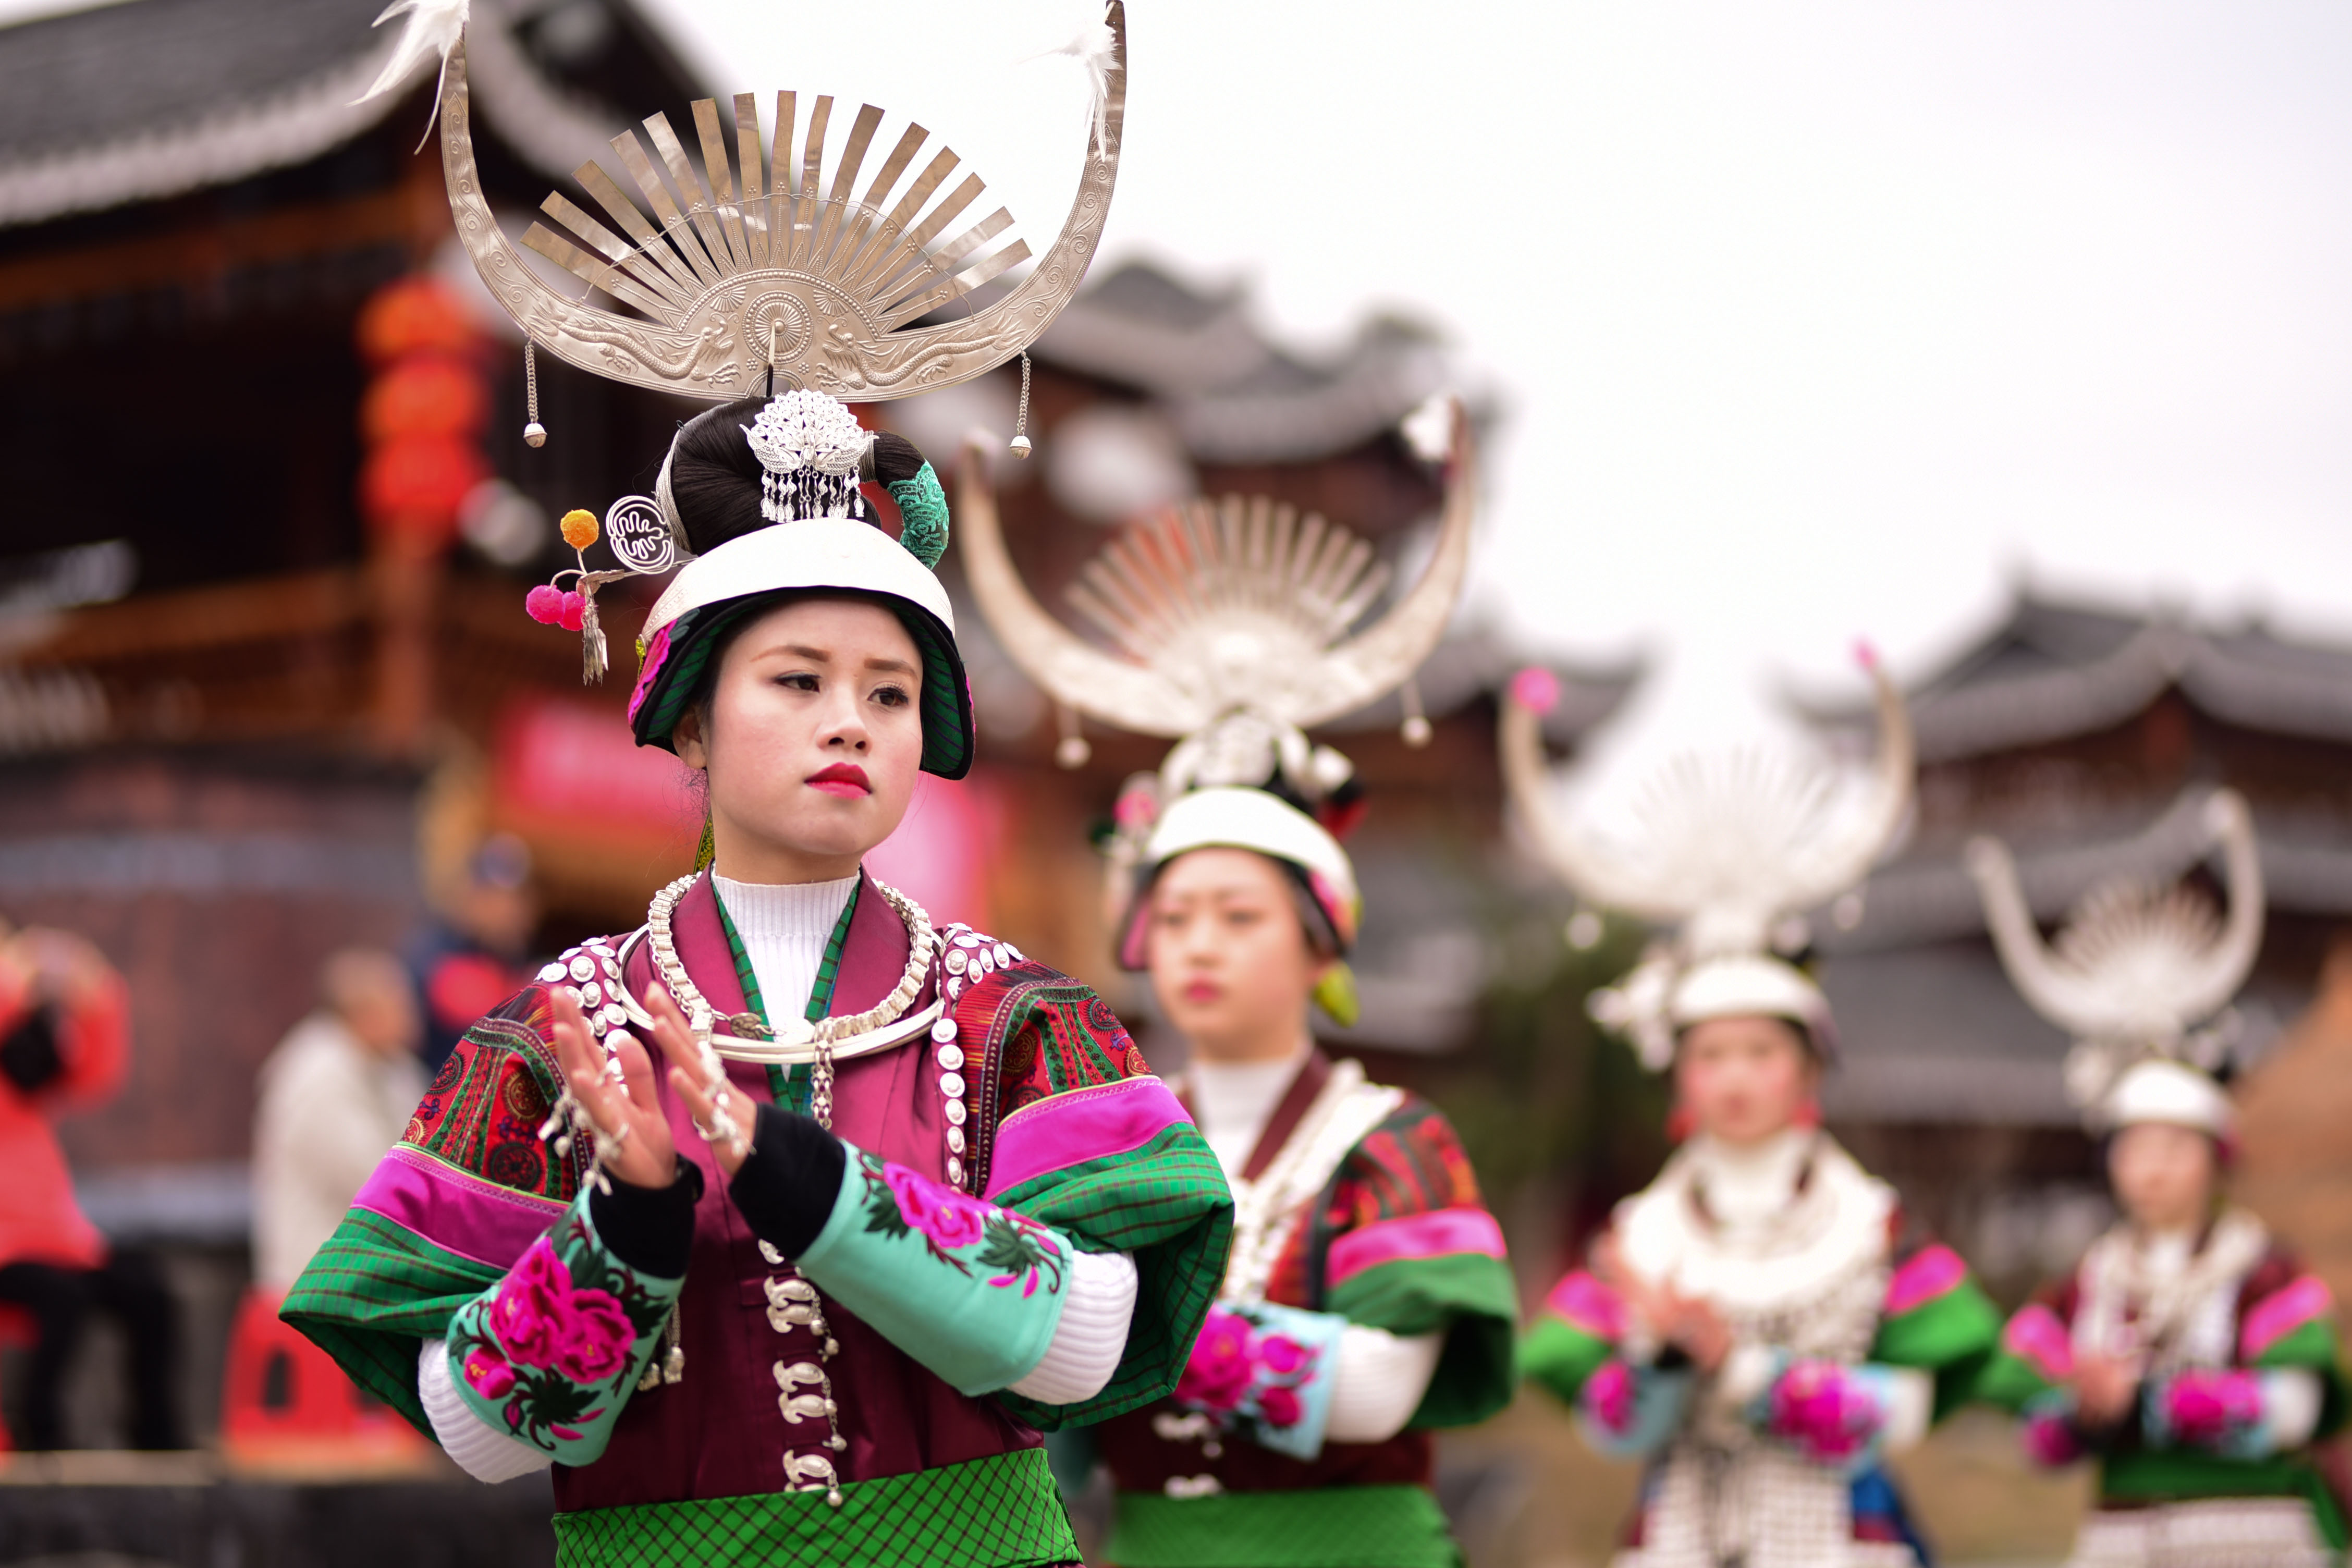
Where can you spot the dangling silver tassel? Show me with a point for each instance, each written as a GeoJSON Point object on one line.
{"type": "Point", "coordinates": [534, 435]}
{"type": "Point", "coordinates": [1021, 420]}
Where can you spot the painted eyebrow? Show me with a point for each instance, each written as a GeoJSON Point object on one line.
{"type": "Point", "coordinates": [824, 655]}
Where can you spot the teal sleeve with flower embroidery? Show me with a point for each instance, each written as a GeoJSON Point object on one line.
{"type": "Point", "coordinates": [550, 1353]}
{"type": "Point", "coordinates": [971, 1291]}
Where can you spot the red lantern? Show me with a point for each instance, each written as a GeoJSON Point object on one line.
{"type": "Point", "coordinates": [413, 315]}
{"type": "Point", "coordinates": [424, 395]}
{"type": "Point", "coordinates": [416, 484]}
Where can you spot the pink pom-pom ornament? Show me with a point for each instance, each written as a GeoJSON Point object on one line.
{"type": "Point", "coordinates": [575, 611]}
{"type": "Point", "coordinates": [544, 604]}
{"type": "Point", "coordinates": [1536, 689]}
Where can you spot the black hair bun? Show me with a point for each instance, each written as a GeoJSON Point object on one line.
{"type": "Point", "coordinates": [714, 474]}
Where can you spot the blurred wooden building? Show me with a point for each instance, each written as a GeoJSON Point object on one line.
{"type": "Point", "coordinates": [2086, 738]}
{"type": "Point", "coordinates": [227, 657]}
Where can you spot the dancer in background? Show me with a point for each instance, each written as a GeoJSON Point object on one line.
{"type": "Point", "coordinates": [65, 1045]}
{"type": "Point", "coordinates": [2188, 1353]}
{"type": "Point", "coordinates": [1758, 1324]}
{"type": "Point", "coordinates": [1367, 1302]}
{"type": "Point", "coordinates": [895, 1195]}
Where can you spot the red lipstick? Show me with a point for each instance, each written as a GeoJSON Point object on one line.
{"type": "Point", "coordinates": [847, 780]}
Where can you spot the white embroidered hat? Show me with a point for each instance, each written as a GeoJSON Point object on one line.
{"type": "Point", "coordinates": [2157, 1090]}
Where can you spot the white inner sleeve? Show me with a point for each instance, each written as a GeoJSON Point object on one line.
{"type": "Point", "coordinates": [784, 927]}
{"type": "Point", "coordinates": [2291, 1401]}
{"type": "Point", "coordinates": [1097, 1304]}
{"type": "Point", "coordinates": [1378, 1383]}
{"type": "Point", "coordinates": [1911, 1405]}
{"type": "Point", "coordinates": [481, 1450]}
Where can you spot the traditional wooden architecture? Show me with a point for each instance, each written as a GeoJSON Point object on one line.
{"type": "Point", "coordinates": [2086, 738]}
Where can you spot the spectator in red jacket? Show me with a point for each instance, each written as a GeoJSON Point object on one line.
{"type": "Point", "coordinates": [65, 1045]}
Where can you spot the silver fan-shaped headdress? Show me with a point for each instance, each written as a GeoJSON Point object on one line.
{"type": "Point", "coordinates": [1229, 625]}
{"type": "Point", "coordinates": [751, 267]}
{"type": "Point", "coordinates": [2137, 968]}
{"type": "Point", "coordinates": [1729, 849]}
{"type": "Point", "coordinates": [1232, 629]}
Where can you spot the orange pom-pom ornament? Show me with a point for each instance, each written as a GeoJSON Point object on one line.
{"type": "Point", "coordinates": [578, 527]}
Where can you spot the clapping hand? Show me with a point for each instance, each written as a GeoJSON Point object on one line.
{"type": "Point", "coordinates": [632, 1140]}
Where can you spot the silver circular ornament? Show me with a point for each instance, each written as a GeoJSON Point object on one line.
{"type": "Point", "coordinates": [584, 968]}
{"type": "Point", "coordinates": [951, 1085]}
{"type": "Point", "coordinates": [951, 1057]}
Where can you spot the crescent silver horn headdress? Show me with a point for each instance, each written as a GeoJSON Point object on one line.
{"type": "Point", "coordinates": [751, 266]}
{"type": "Point", "coordinates": [1236, 611]}
{"type": "Point", "coordinates": [2137, 967]}
{"type": "Point", "coordinates": [1728, 849]}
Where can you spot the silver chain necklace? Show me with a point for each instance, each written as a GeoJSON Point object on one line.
{"type": "Point", "coordinates": [824, 1032]}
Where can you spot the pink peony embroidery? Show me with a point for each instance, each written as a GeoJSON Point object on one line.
{"type": "Point", "coordinates": [2048, 1438]}
{"type": "Point", "coordinates": [2206, 1407]}
{"type": "Point", "coordinates": [528, 1313]}
{"type": "Point", "coordinates": [1221, 1369]}
{"type": "Point", "coordinates": [1823, 1410]}
{"type": "Point", "coordinates": [488, 1376]}
{"type": "Point", "coordinates": [1608, 1397]}
{"type": "Point", "coordinates": [949, 1219]}
{"type": "Point", "coordinates": [595, 1343]}
{"type": "Point", "coordinates": [541, 1320]}
{"type": "Point", "coordinates": [1279, 1407]}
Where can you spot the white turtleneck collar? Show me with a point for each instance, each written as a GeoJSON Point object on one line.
{"type": "Point", "coordinates": [1232, 1102]}
{"type": "Point", "coordinates": [1753, 1182]}
{"type": "Point", "coordinates": [784, 927]}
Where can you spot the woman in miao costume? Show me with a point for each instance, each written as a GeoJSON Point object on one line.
{"type": "Point", "coordinates": [2189, 1352]}
{"type": "Point", "coordinates": [903, 1197]}
{"type": "Point", "coordinates": [1757, 1325]}
{"type": "Point", "coordinates": [1368, 1301]}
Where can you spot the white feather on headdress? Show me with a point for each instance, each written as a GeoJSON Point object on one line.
{"type": "Point", "coordinates": [1095, 48]}
{"type": "Point", "coordinates": [433, 29]}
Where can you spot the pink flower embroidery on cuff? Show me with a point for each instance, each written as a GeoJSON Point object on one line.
{"type": "Point", "coordinates": [2204, 1407]}
{"type": "Point", "coordinates": [487, 1374]}
{"type": "Point", "coordinates": [1279, 1407]}
{"type": "Point", "coordinates": [1823, 1410]}
{"type": "Point", "coordinates": [948, 1218]}
{"type": "Point", "coordinates": [1609, 1397]}
{"type": "Point", "coordinates": [1220, 1369]}
{"type": "Point", "coordinates": [541, 1320]}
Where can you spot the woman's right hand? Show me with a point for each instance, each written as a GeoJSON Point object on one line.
{"type": "Point", "coordinates": [632, 1131]}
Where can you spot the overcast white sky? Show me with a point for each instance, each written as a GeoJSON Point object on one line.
{"type": "Point", "coordinates": [1813, 320]}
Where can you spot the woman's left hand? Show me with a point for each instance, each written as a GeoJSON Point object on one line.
{"type": "Point", "coordinates": [687, 1069]}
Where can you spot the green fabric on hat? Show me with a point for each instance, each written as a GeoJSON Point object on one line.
{"type": "Point", "coordinates": [1329, 1527]}
{"type": "Point", "coordinates": [1467, 1296]}
{"type": "Point", "coordinates": [996, 1512]}
{"type": "Point", "coordinates": [923, 515]}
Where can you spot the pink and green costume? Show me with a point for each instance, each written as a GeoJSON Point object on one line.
{"type": "Point", "coordinates": [1846, 1337]}
{"type": "Point", "coordinates": [2240, 1353]}
{"type": "Point", "coordinates": [711, 1396]}
{"type": "Point", "coordinates": [1356, 1207]}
